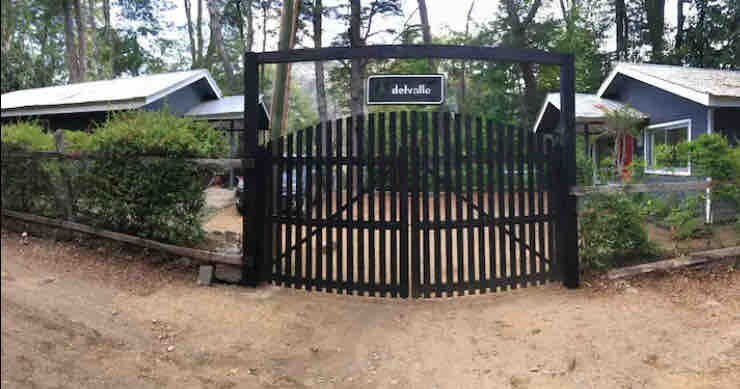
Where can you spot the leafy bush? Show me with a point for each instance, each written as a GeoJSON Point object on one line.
{"type": "Point", "coordinates": [27, 136]}
{"type": "Point", "coordinates": [684, 219]}
{"type": "Point", "coordinates": [157, 198]}
{"type": "Point", "coordinates": [76, 141]}
{"type": "Point", "coordinates": [26, 183]}
{"type": "Point", "coordinates": [156, 133]}
{"type": "Point", "coordinates": [712, 156]}
{"type": "Point", "coordinates": [612, 231]}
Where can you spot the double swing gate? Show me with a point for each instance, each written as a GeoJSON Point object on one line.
{"type": "Point", "coordinates": [411, 203]}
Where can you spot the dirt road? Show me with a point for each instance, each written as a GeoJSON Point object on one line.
{"type": "Point", "coordinates": [87, 317]}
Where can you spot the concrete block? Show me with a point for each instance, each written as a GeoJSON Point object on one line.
{"type": "Point", "coordinates": [205, 275]}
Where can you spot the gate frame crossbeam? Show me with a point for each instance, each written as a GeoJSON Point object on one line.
{"type": "Point", "coordinates": [256, 239]}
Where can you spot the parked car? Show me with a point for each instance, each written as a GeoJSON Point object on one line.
{"type": "Point", "coordinates": [293, 200]}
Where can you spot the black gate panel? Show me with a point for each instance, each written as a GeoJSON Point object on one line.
{"type": "Point", "coordinates": [338, 209]}
{"type": "Point", "coordinates": [420, 203]}
{"type": "Point", "coordinates": [482, 215]}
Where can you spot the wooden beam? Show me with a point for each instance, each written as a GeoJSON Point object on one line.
{"type": "Point", "coordinates": [675, 263]}
{"type": "Point", "coordinates": [484, 53]}
{"type": "Point", "coordinates": [220, 162]}
{"type": "Point", "coordinates": [197, 254]}
{"type": "Point", "coordinates": [640, 188]}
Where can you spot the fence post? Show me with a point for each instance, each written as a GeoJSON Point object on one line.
{"type": "Point", "coordinates": [66, 201]}
{"type": "Point", "coordinates": [253, 169]}
{"type": "Point", "coordinates": [568, 218]}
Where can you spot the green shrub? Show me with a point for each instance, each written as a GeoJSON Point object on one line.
{"type": "Point", "coordinates": [76, 141]}
{"type": "Point", "coordinates": [160, 199]}
{"type": "Point", "coordinates": [27, 136]}
{"type": "Point", "coordinates": [684, 219]}
{"type": "Point", "coordinates": [157, 198]}
{"type": "Point", "coordinates": [27, 184]}
{"type": "Point", "coordinates": [157, 133]}
{"type": "Point", "coordinates": [612, 231]}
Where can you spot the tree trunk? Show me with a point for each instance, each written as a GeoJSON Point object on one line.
{"type": "Point", "coordinates": [517, 30]}
{"type": "Point", "coordinates": [218, 42]}
{"type": "Point", "coordinates": [426, 31]}
{"type": "Point", "coordinates": [265, 8]}
{"type": "Point", "coordinates": [95, 58]}
{"type": "Point", "coordinates": [199, 32]}
{"type": "Point", "coordinates": [81, 40]}
{"type": "Point", "coordinates": [281, 84]}
{"type": "Point", "coordinates": [318, 10]}
{"type": "Point", "coordinates": [191, 34]}
{"type": "Point", "coordinates": [680, 19]}
{"type": "Point", "coordinates": [69, 42]}
{"type": "Point", "coordinates": [463, 65]}
{"type": "Point", "coordinates": [250, 26]}
{"type": "Point", "coordinates": [107, 36]}
{"type": "Point", "coordinates": [655, 10]}
{"type": "Point", "coordinates": [621, 22]}
{"type": "Point", "coordinates": [357, 69]}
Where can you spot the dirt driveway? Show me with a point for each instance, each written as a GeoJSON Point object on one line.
{"type": "Point", "coordinates": [97, 317]}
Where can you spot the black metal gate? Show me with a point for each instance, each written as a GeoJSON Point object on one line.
{"type": "Point", "coordinates": [410, 203]}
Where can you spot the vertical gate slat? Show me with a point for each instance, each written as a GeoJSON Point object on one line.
{"type": "Point", "coordinates": [339, 247]}
{"type": "Point", "coordinates": [351, 155]}
{"type": "Point", "coordinates": [511, 167]}
{"type": "Point", "coordinates": [329, 165]}
{"type": "Point", "coordinates": [319, 185]}
{"type": "Point", "coordinates": [370, 158]}
{"type": "Point", "coordinates": [395, 168]}
{"type": "Point", "coordinates": [492, 253]}
{"type": "Point", "coordinates": [447, 139]}
{"type": "Point", "coordinates": [500, 168]}
{"type": "Point", "coordinates": [551, 206]}
{"type": "Point", "coordinates": [470, 218]}
{"type": "Point", "coordinates": [436, 231]}
{"type": "Point", "coordinates": [530, 204]}
{"type": "Point", "coordinates": [276, 168]}
{"type": "Point", "coordinates": [289, 227]}
{"type": "Point", "coordinates": [480, 159]}
{"type": "Point", "coordinates": [308, 207]}
{"type": "Point", "coordinates": [414, 215]}
{"type": "Point", "coordinates": [426, 209]}
{"type": "Point", "coordinates": [403, 195]}
{"type": "Point", "coordinates": [383, 257]}
{"type": "Point", "coordinates": [361, 159]}
{"type": "Point", "coordinates": [299, 165]}
{"type": "Point", "coordinates": [459, 163]}
{"type": "Point", "coordinates": [540, 175]}
{"type": "Point", "coordinates": [520, 201]}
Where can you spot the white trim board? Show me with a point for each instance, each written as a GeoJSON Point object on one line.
{"type": "Point", "coordinates": [671, 124]}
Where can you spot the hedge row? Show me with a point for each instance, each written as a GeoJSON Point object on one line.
{"type": "Point", "coordinates": [160, 199]}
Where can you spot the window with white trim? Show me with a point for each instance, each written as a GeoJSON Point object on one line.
{"type": "Point", "coordinates": [663, 151]}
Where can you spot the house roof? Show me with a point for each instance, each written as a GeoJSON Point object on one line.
{"type": "Point", "coordinates": [226, 108]}
{"type": "Point", "coordinates": [104, 95]}
{"type": "Point", "coordinates": [590, 109]}
{"type": "Point", "coordinates": [709, 87]}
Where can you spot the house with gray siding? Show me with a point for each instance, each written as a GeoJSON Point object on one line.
{"type": "Point", "coordinates": [80, 106]}
{"type": "Point", "coordinates": [677, 104]}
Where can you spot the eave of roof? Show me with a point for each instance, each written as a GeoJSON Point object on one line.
{"type": "Point", "coordinates": [703, 98]}
{"type": "Point", "coordinates": [111, 105]}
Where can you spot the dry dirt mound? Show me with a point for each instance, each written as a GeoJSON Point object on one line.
{"type": "Point", "coordinates": [87, 317]}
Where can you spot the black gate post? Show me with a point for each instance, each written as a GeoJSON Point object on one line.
{"type": "Point", "coordinates": [254, 195]}
{"type": "Point", "coordinates": [568, 215]}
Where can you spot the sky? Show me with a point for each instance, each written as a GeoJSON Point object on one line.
{"type": "Point", "coordinates": [444, 15]}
